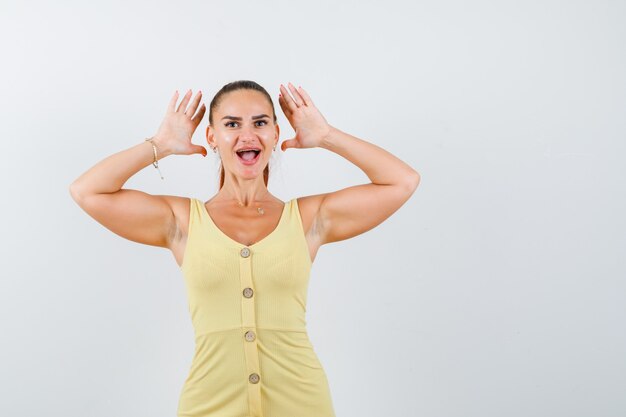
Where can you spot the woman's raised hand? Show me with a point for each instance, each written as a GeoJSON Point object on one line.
{"type": "Point", "coordinates": [178, 125]}
{"type": "Point", "coordinates": [310, 126]}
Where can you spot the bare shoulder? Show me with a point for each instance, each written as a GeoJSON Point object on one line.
{"type": "Point", "coordinates": [308, 205]}
{"type": "Point", "coordinates": [309, 208]}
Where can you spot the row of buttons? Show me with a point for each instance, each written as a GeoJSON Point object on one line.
{"type": "Point", "coordinates": [254, 378]}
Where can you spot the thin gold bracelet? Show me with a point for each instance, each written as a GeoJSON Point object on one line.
{"type": "Point", "coordinates": [156, 162]}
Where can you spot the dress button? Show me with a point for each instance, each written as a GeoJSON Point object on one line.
{"type": "Point", "coordinates": [245, 252]}
{"type": "Point", "coordinates": [250, 336]}
{"type": "Point", "coordinates": [247, 292]}
{"type": "Point", "coordinates": [254, 378]}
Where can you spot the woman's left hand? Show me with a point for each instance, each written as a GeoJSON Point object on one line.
{"type": "Point", "coordinates": [310, 126]}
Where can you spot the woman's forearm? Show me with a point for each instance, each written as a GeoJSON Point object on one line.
{"type": "Point", "coordinates": [110, 174]}
{"type": "Point", "coordinates": [379, 165]}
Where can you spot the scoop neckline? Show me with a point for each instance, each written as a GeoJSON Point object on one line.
{"type": "Point", "coordinates": [256, 244]}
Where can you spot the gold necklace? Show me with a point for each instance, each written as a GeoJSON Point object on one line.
{"type": "Point", "coordinates": [259, 209]}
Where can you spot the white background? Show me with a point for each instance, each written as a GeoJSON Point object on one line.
{"type": "Point", "coordinates": [498, 289]}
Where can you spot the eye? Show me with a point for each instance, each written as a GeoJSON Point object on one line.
{"type": "Point", "coordinates": [227, 124]}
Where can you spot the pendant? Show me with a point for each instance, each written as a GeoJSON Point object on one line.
{"type": "Point", "coordinates": [258, 209]}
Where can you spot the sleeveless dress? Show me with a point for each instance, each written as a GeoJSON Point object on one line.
{"type": "Point", "coordinates": [253, 356]}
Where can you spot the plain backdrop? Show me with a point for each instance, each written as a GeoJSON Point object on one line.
{"type": "Point", "coordinates": [498, 289]}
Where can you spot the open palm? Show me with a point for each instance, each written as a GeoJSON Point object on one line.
{"type": "Point", "coordinates": [179, 123]}
{"type": "Point", "coordinates": [305, 119]}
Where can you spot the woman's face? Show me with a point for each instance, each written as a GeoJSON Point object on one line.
{"type": "Point", "coordinates": [242, 120]}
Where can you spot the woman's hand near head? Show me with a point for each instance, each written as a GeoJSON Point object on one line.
{"type": "Point", "coordinates": [310, 126]}
{"type": "Point", "coordinates": [176, 129]}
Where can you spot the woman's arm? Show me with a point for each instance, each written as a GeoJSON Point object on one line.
{"type": "Point", "coordinates": [353, 210]}
{"type": "Point", "coordinates": [109, 175]}
{"type": "Point", "coordinates": [133, 214]}
{"type": "Point", "coordinates": [382, 167]}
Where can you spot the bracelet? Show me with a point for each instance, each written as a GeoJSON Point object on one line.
{"type": "Point", "coordinates": [156, 162]}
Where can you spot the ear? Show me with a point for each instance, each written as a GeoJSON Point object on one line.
{"type": "Point", "coordinates": [277, 135]}
{"type": "Point", "coordinates": [209, 135]}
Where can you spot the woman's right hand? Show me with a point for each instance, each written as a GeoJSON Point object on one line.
{"type": "Point", "coordinates": [176, 130]}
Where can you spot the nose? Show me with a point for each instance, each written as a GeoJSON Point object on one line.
{"type": "Point", "coordinates": [247, 132]}
{"type": "Point", "coordinates": [247, 137]}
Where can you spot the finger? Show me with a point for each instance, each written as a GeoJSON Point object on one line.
{"type": "Point", "coordinates": [199, 115]}
{"type": "Point", "coordinates": [183, 104]}
{"type": "Point", "coordinates": [288, 100]}
{"type": "Point", "coordinates": [305, 97]}
{"type": "Point", "coordinates": [199, 149]}
{"type": "Point", "coordinates": [194, 104]}
{"type": "Point", "coordinates": [173, 100]}
{"type": "Point", "coordinates": [289, 143]}
{"type": "Point", "coordinates": [283, 105]}
{"type": "Point", "coordinates": [296, 95]}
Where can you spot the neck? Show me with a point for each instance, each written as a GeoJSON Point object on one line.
{"type": "Point", "coordinates": [245, 193]}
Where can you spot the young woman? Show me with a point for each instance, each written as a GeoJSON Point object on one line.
{"type": "Point", "coordinates": [246, 255]}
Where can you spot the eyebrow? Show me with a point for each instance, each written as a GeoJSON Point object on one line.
{"type": "Point", "coordinates": [260, 116]}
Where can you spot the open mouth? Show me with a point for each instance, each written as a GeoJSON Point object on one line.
{"type": "Point", "coordinates": [248, 157]}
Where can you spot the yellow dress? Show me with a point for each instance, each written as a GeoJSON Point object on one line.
{"type": "Point", "coordinates": [253, 356]}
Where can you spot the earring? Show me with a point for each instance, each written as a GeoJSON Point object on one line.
{"type": "Point", "coordinates": [214, 149]}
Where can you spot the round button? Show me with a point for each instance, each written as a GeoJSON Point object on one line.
{"type": "Point", "coordinates": [247, 292]}
{"type": "Point", "coordinates": [254, 378]}
{"type": "Point", "coordinates": [245, 252]}
{"type": "Point", "coordinates": [250, 336]}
